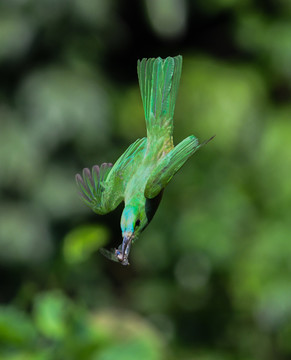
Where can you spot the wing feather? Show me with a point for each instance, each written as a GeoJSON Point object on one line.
{"type": "Point", "coordinates": [169, 165]}
{"type": "Point", "coordinates": [103, 188]}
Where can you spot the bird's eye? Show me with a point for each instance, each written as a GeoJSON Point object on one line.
{"type": "Point", "coordinates": [137, 222]}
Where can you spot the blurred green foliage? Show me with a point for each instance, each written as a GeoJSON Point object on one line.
{"type": "Point", "coordinates": [82, 241]}
{"type": "Point", "coordinates": [210, 278]}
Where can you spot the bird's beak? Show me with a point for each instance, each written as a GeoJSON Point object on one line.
{"type": "Point", "coordinates": [125, 248]}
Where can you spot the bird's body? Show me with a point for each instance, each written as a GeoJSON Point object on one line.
{"type": "Point", "coordinates": [141, 173]}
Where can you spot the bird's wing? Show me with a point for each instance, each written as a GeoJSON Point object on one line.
{"type": "Point", "coordinates": [170, 164]}
{"type": "Point", "coordinates": [103, 188]}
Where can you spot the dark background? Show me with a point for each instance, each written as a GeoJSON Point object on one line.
{"type": "Point", "coordinates": [210, 277]}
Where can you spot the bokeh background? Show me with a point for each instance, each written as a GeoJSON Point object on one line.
{"type": "Point", "coordinates": [210, 278]}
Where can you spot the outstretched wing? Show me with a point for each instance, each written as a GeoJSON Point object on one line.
{"type": "Point", "coordinates": [103, 188]}
{"type": "Point", "coordinates": [170, 164]}
{"type": "Point", "coordinates": [92, 189]}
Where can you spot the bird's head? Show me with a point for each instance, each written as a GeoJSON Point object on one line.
{"type": "Point", "coordinates": [133, 221]}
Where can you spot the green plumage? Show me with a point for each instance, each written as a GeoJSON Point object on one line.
{"type": "Point", "coordinates": [142, 172]}
{"type": "Point", "coordinates": [159, 81]}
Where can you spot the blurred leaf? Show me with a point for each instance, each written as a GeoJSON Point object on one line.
{"type": "Point", "coordinates": [273, 159]}
{"type": "Point", "coordinates": [96, 13]}
{"type": "Point", "coordinates": [274, 305]}
{"type": "Point", "coordinates": [167, 17]}
{"type": "Point", "coordinates": [263, 273]}
{"type": "Point", "coordinates": [21, 160]}
{"type": "Point", "coordinates": [69, 104]}
{"type": "Point", "coordinates": [81, 242]}
{"type": "Point", "coordinates": [269, 39]}
{"type": "Point", "coordinates": [16, 329]}
{"type": "Point", "coordinates": [48, 11]}
{"type": "Point", "coordinates": [51, 314]}
{"type": "Point", "coordinates": [16, 34]}
{"type": "Point", "coordinates": [131, 337]}
{"type": "Point", "coordinates": [26, 355]}
{"type": "Point", "coordinates": [130, 350]}
{"type": "Point", "coordinates": [284, 337]}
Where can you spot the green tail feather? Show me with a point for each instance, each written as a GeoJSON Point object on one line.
{"type": "Point", "coordinates": [159, 81]}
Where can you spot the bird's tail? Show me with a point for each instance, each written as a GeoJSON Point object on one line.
{"type": "Point", "coordinates": [159, 81]}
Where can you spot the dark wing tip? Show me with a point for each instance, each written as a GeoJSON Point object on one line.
{"type": "Point", "coordinates": [92, 184]}
{"type": "Point", "coordinates": [79, 180]}
{"type": "Point", "coordinates": [88, 179]}
{"type": "Point", "coordinates": [95, 168]}
{"type": "Point", "coordinates": [86, 172]}
{"type": "Point", "coordinates": [105, 166]}
{"type": "Point", "coordinates": [84, 191]}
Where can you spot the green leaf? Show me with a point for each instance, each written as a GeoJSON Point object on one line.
{"type": "Point", "coordinates": [51, 313]}
{"type": "Point", "coordinates": [26, 355]}
{"type": "Point", "coordinates": [15, 328]}
{"type": "Point", "coordinates": [81, 242]}
{"type": "Point", "coordinates": [130, 337]}
{"type": "Point", "coordinates": [130, 350]}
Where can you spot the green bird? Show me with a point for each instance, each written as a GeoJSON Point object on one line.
{"type": "Point", "coordinates": [142, 172]}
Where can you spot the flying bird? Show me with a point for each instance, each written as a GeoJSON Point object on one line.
{"type": "Point", "coordinates": [142, 172]}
